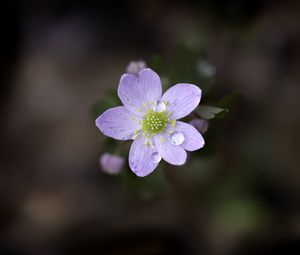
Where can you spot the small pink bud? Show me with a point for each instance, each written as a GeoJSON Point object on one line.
{"type": "Point", "coordinates": [135, 66]}
{"type": "Point", "coordinates": [111, 164]}
{"type": "Point", "coordinates": [200, 124]}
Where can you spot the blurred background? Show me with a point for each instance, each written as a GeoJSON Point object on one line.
{"type": "Point", "coordinates": [61, 57]}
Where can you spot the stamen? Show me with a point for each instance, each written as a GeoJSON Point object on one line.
{"type": "Point", "coordinates": [162, 139]}
{"type": "Point", "coordinates": [154, 122]}
{"type": "Point", "coordinates": [155, 119]}
{"type": "Point", "coordinates": [135, 134]}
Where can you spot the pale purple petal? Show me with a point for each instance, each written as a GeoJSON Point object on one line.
{"type": "Point", "coordinates": [141, 159]}
{"type": "Point", "coordinates": [118, 123]}
{"type": "Point", "coordinates": [173, 154]}
{"type": "Point", "coordinates": [135, 66]}
{"type": "Point", "coordinates": [111, 164]}
{"type": "Point", "coordinates": [193, 140]}
{"type": "Point", "coordinates": [182, 99]}
{"type": "Point", "coordinates": [136, 91]}
{"type": "Point", "coordinates": [200, 124]}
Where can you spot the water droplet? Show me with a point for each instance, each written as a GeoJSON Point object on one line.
{"type": "Point", "coordinates": [177, 138]}
{"type": "Point", "coordinates": [161, 106]}
{"type": "Point", "coordinates": [156, 157]}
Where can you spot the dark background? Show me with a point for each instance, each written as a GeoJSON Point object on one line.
{"type": "Point", "coordinates": [59, 57]}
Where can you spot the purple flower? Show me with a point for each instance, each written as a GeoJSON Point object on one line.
{"type": "Point", "coordinates": [111, 164]}
{"type": "Point", "coordinates": [135, 66]}
{"type": "Point", "coordinates": [150, 119]}
{"type": "Point", "coordinates": [200, 124]}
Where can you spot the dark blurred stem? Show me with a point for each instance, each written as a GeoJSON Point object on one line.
{"type": "Point", "coordinates": [122, 146]}
{"type": "Point", "coordinates": [171, 178]}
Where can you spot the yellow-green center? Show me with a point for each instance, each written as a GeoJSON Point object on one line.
{"type": "Point", "coordinates": [154, 122]}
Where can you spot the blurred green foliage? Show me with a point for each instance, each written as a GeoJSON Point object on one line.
{"type": "Point", "coordinates": [109, 100]}
{"type": "Point", "coordinates": [210, 112]}
{"type": "Point", "coordinates": [153, 186]}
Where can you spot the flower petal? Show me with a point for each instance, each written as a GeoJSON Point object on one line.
{"type": "Point", "coordinates": [193, 140]}
{"type": "Point", "coordinates": [118, 123]}
{"type": "Point", "coordinates": [173, 154]}
{"type": "Point", "coordinates": [137, 90]}
{"type": "Point", "coordinates": [140, 157]}
{"type": "Point", "coordinates": [182, 99]}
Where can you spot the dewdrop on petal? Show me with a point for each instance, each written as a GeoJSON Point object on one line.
{"type": "Point", "coordinates": [177, 138]}
{"type": "Point", "coordinates": [156, 157]}
{"type": "Point", "coordinates": [161, 106]}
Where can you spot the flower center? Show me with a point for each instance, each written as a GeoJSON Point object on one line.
{"type": "Point", "coordinates": [154, 122]}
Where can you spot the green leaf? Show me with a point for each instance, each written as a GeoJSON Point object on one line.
{"type": "Point", "coordinates": [184, 67]}
{"type": "Point", "coordinates": [156, 63]}
{"type": "Point", "coordinates": [181, 71]}
{"type": "Point", "coordinates": [240, 214]}
{"type": "Point", "coordinates": [229, 99]}
{"type": "Point", "coordinates": [211, 112]}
